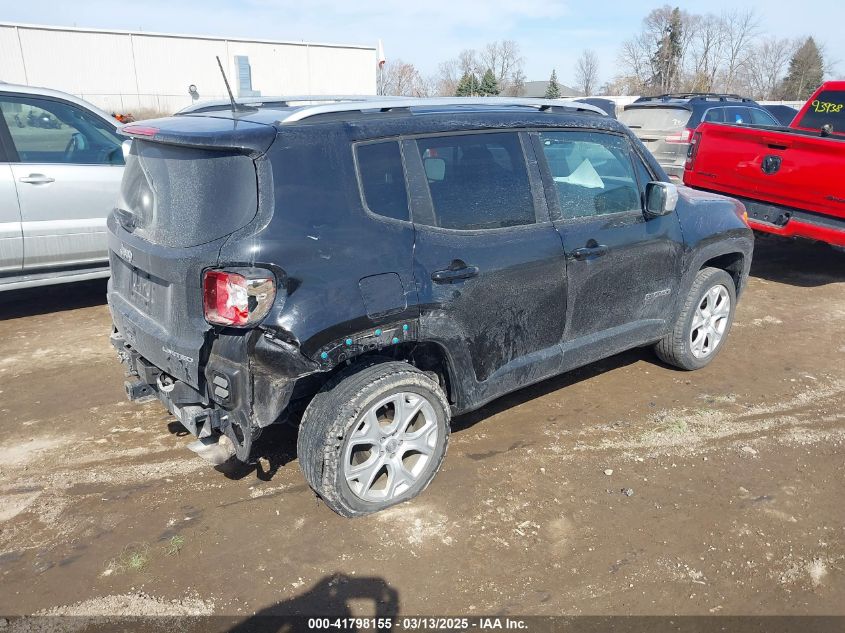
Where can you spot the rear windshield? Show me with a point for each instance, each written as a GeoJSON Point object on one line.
{"type": "Point", "coordinates": [184, 196]}
{"type": "Point", "coordinates": [828, 107]}
{"type": "Point", "coordinates": [655, 118]}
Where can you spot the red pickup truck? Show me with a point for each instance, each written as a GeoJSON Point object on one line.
{"type": "Point", "coordinates": [791, 179]}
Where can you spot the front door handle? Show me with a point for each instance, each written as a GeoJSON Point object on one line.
{"type": "Point", "coordinates": [589, 252]}
{"type": "Point", "coordinates": [37, 179]}
{"type": "Point", "coordinates": [454, 273]}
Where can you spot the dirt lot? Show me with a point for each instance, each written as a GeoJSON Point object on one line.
{"type": "Point", "coordinates": [735, 472]}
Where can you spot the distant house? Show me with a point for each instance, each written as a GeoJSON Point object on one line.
{"type": "Point", "coordinates": [537, 89]}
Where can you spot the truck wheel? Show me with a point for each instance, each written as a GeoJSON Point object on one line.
{"type": "Point", "coordinates": [704, 321]}
{"type": "Point", "coordinates": [373, 437]}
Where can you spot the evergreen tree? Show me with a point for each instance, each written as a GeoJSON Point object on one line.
{"type": "Point", "coordinates": [806, 72]}
{"type": "Point", "coordinates": [553, 91]}
{"type": "Point", "coordinates": [666, 60]}
{"type": "Point", "coordinates": [468, 86]}
{"type": "Point", "coordinates": [489, 85]}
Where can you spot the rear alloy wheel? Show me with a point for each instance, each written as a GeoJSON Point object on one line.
{"type": "Point", "coordinates": [704, 321]}
{"type": "Point", "coordinates": [373, 437]}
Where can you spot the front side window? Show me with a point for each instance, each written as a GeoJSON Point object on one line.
{"type": "Point", "coordinates": [761, 117]}
{"type": "Point", "coordinates": [592, 172]}
{"type": "Point", "coordinates": [736, 114]}
{"type": "Point", "coordinates": [46, 131]}
{"type": "Point", "coordinates": [477, 181]}
{"type": "Point", "coordinates": [383, 179]}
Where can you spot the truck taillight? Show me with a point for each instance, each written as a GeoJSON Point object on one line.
{"type": "Point", "coordinates": [237, 299]}
{"type": "Point", "coordinates": [693, 150]}
{"type": "Point", "coordinates": [683, 136]}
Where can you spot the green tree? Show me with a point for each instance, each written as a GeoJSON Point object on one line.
{"type": "Point", "coordinates": [805, 74]}
{"type": "Point", "coordinates": [553, 91]}
{"type": "Point", "coordinates": [665, 62]}
{"type": "Point", "coordinates": [468, 86]}
{"type": "Point", "coordinates": [489, 85]}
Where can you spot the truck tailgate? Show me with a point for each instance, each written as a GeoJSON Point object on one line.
{"type": "Point", "coordinates": [776, 165]}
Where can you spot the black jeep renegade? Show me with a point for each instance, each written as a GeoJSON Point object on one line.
{"type": "Point", "coordinates": [383, 266]}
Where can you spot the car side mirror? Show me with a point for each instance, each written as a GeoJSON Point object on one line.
{"type": "Point", "coordinates": [435, 169]}
{"type": "Point", "coordinates": [660, 198]}
{"type": "Point", "coordinates": [126, 146]}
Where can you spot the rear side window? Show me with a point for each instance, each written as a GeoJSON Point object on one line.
{"type": "Point", "coordinates": [715, 115]}
{"type": "Point", "coordinates": [383, 179]}
{"type": "Point", "coordinates": [655, 118]}
{"type": "Point", "coordinates": [592, 172]}
{"type": "Point", "coordinates": [477, 181]}
{"type": "Point", "coordinates": [828, 107]}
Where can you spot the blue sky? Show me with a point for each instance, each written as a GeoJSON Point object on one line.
{"type": "Point", "coordinates": [551, 33]}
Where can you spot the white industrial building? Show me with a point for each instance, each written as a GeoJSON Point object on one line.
{"type": "Point", "coordinates": [126, 71]}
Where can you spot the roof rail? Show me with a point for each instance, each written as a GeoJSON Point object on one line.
{"type": "Point", "coordinates": [690, 95]}
{"type": "Point", "coordinates": [282, 101]}
{"type": "Point", "coordinates": [389, 104]}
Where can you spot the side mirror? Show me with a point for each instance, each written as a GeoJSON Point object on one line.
{"type": "Point", "coordinates": [126, 146]}
{"type": "Point", "coordinates": [660, 199]}
{"type": "Point", "coordinates": [435, 169]}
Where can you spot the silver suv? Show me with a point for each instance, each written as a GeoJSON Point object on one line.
{"type": "Point", "coordinates": [665, 123]}
{"type": "Point", "coordinates": [61, 163]}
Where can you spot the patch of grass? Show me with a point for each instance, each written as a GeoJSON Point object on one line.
{"type": "Point", "coordinates": [134, 558]}
{"type": "Point", "coordinates": [677, 427]}
{"type": "Point", "coordinates": [174, 545]}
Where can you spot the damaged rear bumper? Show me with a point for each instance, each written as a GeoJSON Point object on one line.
{"type": "Point", "coordinates": [247, 380]}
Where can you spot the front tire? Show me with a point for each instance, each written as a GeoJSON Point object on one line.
{"type": "Point", "coordinates": [704, 322]}
{"type": "Point", "coordinates": [373, 437]}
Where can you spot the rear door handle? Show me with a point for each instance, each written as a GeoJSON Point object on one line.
{"type": "Point", "coordinates": [449, 275]}
{"type": "Point", "coordinates": [589, 252]}
{"type": "Point", "coordinates": [37, 179]}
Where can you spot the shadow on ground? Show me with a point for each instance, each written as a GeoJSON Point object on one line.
{"type": "Point", "coordinates": [57, 298]}
{"type": "Point", "coordinates": [797, 262]}
{"type": "Point", "coordinates": [332, 597]}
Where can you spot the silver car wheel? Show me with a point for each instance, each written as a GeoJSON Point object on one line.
{"type": "Point", "coordinates": [710, 321]}
{"type": "Point", "coordinates": [390, 447]}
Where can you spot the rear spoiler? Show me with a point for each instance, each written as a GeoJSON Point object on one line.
{"type": "Point", "coordinates": [247, 137]}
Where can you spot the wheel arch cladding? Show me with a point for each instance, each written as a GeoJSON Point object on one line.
{"type": "Point", "coordinates": [732, 263]}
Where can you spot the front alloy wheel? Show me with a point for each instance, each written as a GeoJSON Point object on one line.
{"type": "Point", "coordinates": [710, 321]}
{"type": "Point", "coordinates": [703, 322]}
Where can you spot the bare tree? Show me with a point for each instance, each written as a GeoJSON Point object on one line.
{"type": "Point", "coordinates": [587, 72]}
{"type": "Point", "coordinates": [705, 53]}
{"type": "Point", "coordinates": [766, 66]}
{"type": "Point", "coordinates": [740, 28]}
{"type": "Point", "coordinates": [403, 79]}
{"type": "Point", "coordinates": [451, 71]}
{"type": "Point", "coordinates": [635, 61]}
{"type": "Point", "coordinates": [504, 59]}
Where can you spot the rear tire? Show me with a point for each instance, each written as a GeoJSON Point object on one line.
{"type": "Point", "coordinates": [703, 323]}
{"type": "Point", "coordinates": [373, 437]}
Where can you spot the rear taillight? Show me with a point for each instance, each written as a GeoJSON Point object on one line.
{"type": "Point", "coordinates": [681, 137]}
{"type": "Point", "coordinates": [693, 150]}
{"type": "Point", "coordinates": [237, 299]}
